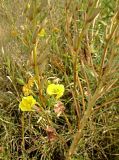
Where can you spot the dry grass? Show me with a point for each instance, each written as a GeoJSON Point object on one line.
{"type": "Point", "coordinates": [80, 50]}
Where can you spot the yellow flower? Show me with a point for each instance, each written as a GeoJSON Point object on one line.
{"type": "Point", "coordinates": [31, 82]}
{"type": "Point", "coordinates": [14, 33]}
{"type": "Point", "coordinates": [55, 89]}
{"type": "Point", "coordinates": [26, 90]}
{"type": "Point", "coordinates": [27, 103]}
{"type": "Point", "coordinates": [42, 33]}
{"type": "Point", "coordinates": [56, 30]}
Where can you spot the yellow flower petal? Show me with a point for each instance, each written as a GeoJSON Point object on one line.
{"type": "Point", "coordinates": [56, 30]}
{"type": "Point", "coordinates": [50, 89]}
{"type": "Point", "coordinates": [27, 103]}
{"type": "Point", "coordinates": [42, 33]}
{"type": "Point", "coordinates": [31, 82]}
{"type": "Point", "coordinates": [55, 89]}
{"type": "Point", "coordinates": [26, 90]}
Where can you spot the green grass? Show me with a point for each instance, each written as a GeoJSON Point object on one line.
{"type": "Point", "coordinates": [79, 50]}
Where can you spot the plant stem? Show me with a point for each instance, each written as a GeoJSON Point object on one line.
{"type": "Point", "coordinates": [68, 123]}
{"type": "Point", "coordinates": [37, 73]}
{"type": "Point", "coordinates": [106, 48]}
{"type": "Point", "coordinates": [23, 142]}
{"type": "Point", "coordinates": [82, 124]}
{"type": "Point", "coordinates": [82, 94]}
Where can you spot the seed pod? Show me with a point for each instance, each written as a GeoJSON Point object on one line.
{"type": "Point", "coordinates": [91, 17]}
{"type": "Point", "coordinates": [57, 62]}
{"type": "Point", "coordinates": [117, 16]}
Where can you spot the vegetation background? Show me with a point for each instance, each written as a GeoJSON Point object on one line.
{"type": "Point", "coordinates": [79, 48]}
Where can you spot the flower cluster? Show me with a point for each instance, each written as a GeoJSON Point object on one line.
{"type": "Point", "coordinates": [28, 102]}
{"type": "Point", "coordinates": [27, 88]}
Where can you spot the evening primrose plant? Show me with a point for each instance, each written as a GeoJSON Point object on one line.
{"type": "Point", "coordinates": [29, 104]}
{"type": "Point", "coordinates": [56, 91]}
{"type": "Point", "coordinates": [78, 42]}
